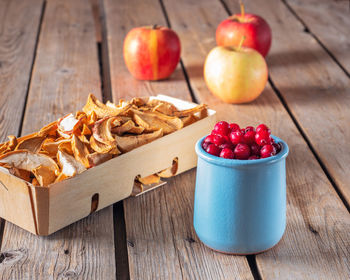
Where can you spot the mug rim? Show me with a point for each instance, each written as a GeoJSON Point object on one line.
{"type": "Point", "coordinates": [239, 162]}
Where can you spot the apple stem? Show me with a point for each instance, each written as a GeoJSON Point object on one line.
{"type": "Point", "coordinates": [241, 43]}
{"type": "Point", "coordinates": [155, 26]}
{"type": "Point", "coordinates": [242, 8]}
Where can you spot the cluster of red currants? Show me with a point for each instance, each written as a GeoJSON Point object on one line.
{"type": "Point", "coordinates": [232, 142]}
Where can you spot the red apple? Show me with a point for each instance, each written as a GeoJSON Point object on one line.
{"type": "Point", "coordinates": [235, 75]}
{"type": "Point", "coordinates": [151, 52]}
{"type": "Point", "coordinates": [254, 28]}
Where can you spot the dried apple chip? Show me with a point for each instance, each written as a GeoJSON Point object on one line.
{"type": "Point", "coordinates": [103, 148]}
{"type": "Point", "coordinates": [189, 120]}
{"type": "Point", "coordinates": [48, 130]}
{"type": "Point", "coordinates": [102, 131]}
{"type": "Point", "coordinates": [153, 121]}
{"type": "Point", "coordinates": [20, 173]}
{"type": "Point", "coordinates": [162, 106]}
{"type": "Point", "coordinates": [69, 165]}
{"type": "Point", "coordinates": [35, 182]}
{"type": "Point", "coordinates": [44, 176]}
{"type": "Point", "coordinates": [12, 142]}
{"type": "Point", "coordinates": [32, 144]}
{"type": "Point", "coordinates": [101, 110]}
{"type": "Point", "coordinates": [86, 130]}
{"type": "Point", "coordinates": [97, 158]}
{"type": "Point", "coordinates": [29, 161]}
{"type": "Point", "coordinates": [80, 151]}
{"type": "Point", "coordinates": [92, 118]}
{"type": "Point", "coordinates": [127, 143]}
{"type": "Point", "coordinates": [66, 146]}
{"type": "Point", "coordinates": [68, 125]}
{"type": "Point", "coordinates": [171, 171]}
{"type": "Point", "coordinates": [185, 113]}
{"type": "Point", "coordinates": [128, 127]}
{"type": "Point", "coordinates": [50, 146]}
{"type": "Point", "coordinates": [148, 180]}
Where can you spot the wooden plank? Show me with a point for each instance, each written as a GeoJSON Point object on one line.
{"type": "Point", "coordinates": [160, 236]}
{"type": "Point", "coordinates": [19, 25]}
{"type": "Point", "coordinates": [316, 242]}
{"type": "Point", "coordinates": [316, 90]}
{"type": "Point", "coordinates": [65, 71]}
{"type": "Point", "coordinates": [329, 21]}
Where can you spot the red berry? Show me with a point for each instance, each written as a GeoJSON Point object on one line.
{"type": "Point", "coordinates": [227, 153]}
{"type": "Point", "coordinates": [253, 157]}
{"type": "Point", "coordinates": [209, 139]}
{"type": "Point", "coordinates": [226, 139]}
{"type": "Point", "coordinates": [267, 151]}
{"type": "Point", "coordinates": [234, 126]}
{"type": "Point", "coordinates": [242, 151]}
{"type": "Point", "coordinates": [222, 128]}
{"type": "Point", "coordinates": [218, 140]}
{"type": "Point", "coordinates": [249, 128]}
{"type": "Point", "coordinates": [262, 138]}
{"type": "Point", "coordinates": [255, 149]}
{"type": "Point", "coordinates": [213, 150]}
{"type": "Point", "coordinates": [236, 137]}
{"type": "Point", "coordinates": [242, 131]}
{"type": "Point", "coordinates": [228, 145]}
{"type": "Point", "coordinates": [261, 127]}
{"type": "Point", "coordinates": [249, 137]}
{"type": "Point", "coordinates": [205, 145]}
{"type": "Point", "coordinates": [277, 147]}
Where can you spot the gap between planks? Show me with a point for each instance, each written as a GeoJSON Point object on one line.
{"type": "Point", "coordinates": [19, 132]}
{"type": "Point", "coordinates": [193, 96]}
{"type": "Point", "coordinates": [309, 31]}
{"type": "Point", "coordinates": [120, 245]}
{"type": "Point", "coordinates": [31, 68]}
{"type": "Point", "coordinates": [250, 258]}
{"type": "Point", "coordinates": [291, 115]}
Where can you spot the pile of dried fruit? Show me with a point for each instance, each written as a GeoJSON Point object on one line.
{"type": "Point", "coordinates": [76, 142]}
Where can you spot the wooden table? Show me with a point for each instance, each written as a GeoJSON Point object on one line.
{"type": "Point", "coordinates": [54, 52]}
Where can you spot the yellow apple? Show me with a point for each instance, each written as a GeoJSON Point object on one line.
{"type": "Point", "coordinates": [235, 75]}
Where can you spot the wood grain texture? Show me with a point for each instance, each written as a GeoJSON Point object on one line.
{"type": "Point", "coordinates": [160, 236]}
{"type": "Point", "coordinates": [65, 71]}
{"type": "Point", "coordinates": [329, 21]}
{"type": "Point", "coordinates": [315, 88]}
{"type": "Point", "coordinates": [316, 244]}
{"type": "Point", "coordinates": [19, 26]}
{"type": "Point", "coordinates": [18, 35]}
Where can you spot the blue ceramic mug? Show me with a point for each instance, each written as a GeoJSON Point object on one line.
{"type": "Point", "coordinates": [240, 205]}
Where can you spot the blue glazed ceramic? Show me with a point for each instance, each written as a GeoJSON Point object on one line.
{"type": "Point", "coordinates": [240, 205]}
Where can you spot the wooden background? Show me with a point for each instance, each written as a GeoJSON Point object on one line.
{"type": "Point", "coordinates": [54, 52]}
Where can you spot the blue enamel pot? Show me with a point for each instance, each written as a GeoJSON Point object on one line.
{"type": "Point", "coordinates": [240, 205]}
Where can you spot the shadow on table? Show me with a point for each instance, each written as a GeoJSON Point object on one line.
{"type": "Point", "coordinates": [313, 94]}
{"type": "Point", "coordinates": [282, 59]}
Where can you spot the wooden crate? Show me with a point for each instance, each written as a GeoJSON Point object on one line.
{"type": "Point", "coordinates": [44, 210]}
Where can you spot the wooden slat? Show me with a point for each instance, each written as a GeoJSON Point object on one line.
{"type": "Point", "coordinates": [65, 71]}
{"type": "Point", "coordinates": [18, 35]}
{"type": "Point", "coordinates": [19, 24]}
{"type": "Point", "coordinates": [316, 244]}
{"type": "Point", "coordinates": [316, 90]}
{"type": "Point", "coordinates": [329, 21]}
{"type": "Point", "coordinates": [160, 236]}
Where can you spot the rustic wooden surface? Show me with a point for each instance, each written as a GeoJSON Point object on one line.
{"type": "Point", "coordinates": [163, 230]}
{"type": "Point", "coordinates": [331, 29]}
{"type": "Point", "coordinates": [65, 71]}
{"type": "Point", "coordinates": [308, 192]}
{"type": "Point", "coordinates": [317, 94]}
{"type": "Point", "coordinates": [59, 51]}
